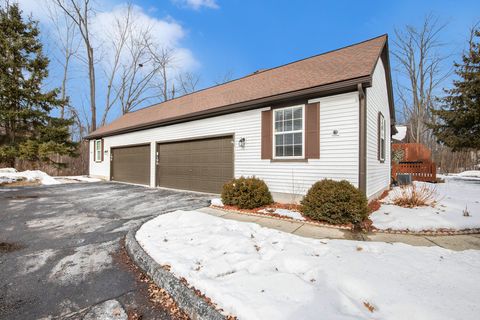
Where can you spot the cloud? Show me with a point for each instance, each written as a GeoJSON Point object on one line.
{"type": "Point", "coordinates": [166, 32]}
{"type": "Point", "coordinates": [197, 4]}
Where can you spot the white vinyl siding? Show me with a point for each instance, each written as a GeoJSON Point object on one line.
{"type": "Point", "coordinates": [378, 172]}
{"type": "Point", "coordinates": [338, 153]}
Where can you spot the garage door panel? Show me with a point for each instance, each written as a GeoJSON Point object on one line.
{"type": "Point", "coordinates": [199, 165]}
{"type": "Point", "coordinates": [131, 164]}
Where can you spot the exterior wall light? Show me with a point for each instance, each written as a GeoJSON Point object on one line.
{"type": "Point", "coordinates": [241, 143]}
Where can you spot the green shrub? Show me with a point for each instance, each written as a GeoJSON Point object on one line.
{"type": "Point", "coordinates": [336, 202]}
{"type": "Point", "coordinates": [246, 193]}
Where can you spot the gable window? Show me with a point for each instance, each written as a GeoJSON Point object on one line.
{"type": "Point", "coordinates": [288, 132]}
{"type": "Point", "coordinates": [98, 150]}
{"type": "Point", "coordinates": [382, 137]}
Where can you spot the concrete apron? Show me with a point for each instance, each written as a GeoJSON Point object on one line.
{"type": "Point", "coordinates": [193, 305]}
{"type": "Point", "coordinates": [452, 242]}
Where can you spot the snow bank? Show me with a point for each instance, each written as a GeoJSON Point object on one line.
{"type": "Point", "coordinates": [284, 212]}
{"type": "Point", "coordinates": [9, 175]}
{"type": "Point", "coordinates": [79, 178]}
{"type": "Point", "coordinates": [454, 196]}
{"type": "Point", "coordinates": [259, 273]}
{"type": "Point", "coordinates": [470, 173]}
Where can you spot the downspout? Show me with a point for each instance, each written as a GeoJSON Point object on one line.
{"type": "Point", "coordinates": [362, 154]}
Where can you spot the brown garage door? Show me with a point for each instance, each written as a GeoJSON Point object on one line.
{"type": "Point", "coordinates": [131, 164]}
{"type": "Point", "coordinates": [198, 165]}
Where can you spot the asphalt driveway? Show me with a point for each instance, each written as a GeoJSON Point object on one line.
{"type": "Point", "coordinates": [65, 239]}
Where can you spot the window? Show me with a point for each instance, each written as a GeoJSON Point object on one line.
{"type": "Point", "coordinates": [381, 137]}
{"type": "Point", "coordinates": [288, 132]}
{"type": "Point", "coordinates": [98, 150]}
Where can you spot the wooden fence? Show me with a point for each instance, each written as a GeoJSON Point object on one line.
{"type": "Point", "coordinates": [424, 171]}
{"type": "Point", "coordinates": [74, 165]}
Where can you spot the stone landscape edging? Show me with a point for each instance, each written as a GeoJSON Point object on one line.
{"type": "Point", "coordinates": [185, 297]}
{"type": "Point", "coordinates": [445, 232]}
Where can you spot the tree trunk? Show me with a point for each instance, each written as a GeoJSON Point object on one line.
{"type": "Point", "coordinates": [91, 75]}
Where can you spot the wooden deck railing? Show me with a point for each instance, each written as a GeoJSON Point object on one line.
{"type": "Point", "coordinates": [425, 171]}
{"type": "Point", "coordinates": [413, 152]}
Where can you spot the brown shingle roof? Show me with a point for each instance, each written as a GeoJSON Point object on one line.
{"type": "Point", "coordinates": [348, 63]}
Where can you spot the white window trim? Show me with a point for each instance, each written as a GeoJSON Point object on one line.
{"type": "Point", "coordinates": [383, 136]}
{"type": "Point", "coordinates": [95, 147]}
{"type": "Point", "coordinates": [274, 155]}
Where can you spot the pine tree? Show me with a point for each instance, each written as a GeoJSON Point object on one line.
{"type": "Point", "coordinates": [27, 130]}
{"type": "Point", "coordinates": [459, 118]}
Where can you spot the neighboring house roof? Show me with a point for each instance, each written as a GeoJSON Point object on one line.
{"type": "Point", "coordinates": [401, 133]}
{"type": "Point", "coordinates": [345, 67]}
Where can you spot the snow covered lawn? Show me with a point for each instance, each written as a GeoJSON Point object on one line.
{"type": "Point", "coordinates": [10, 175]}
{"type": "Point", "coordinates": [259, 273]}
{"type": "Point", "coordinates": [466, 175]}
{"type": "Point", "coordinates": [454, 196]}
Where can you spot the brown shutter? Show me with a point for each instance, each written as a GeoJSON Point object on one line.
{"type": "Point", "coordinates": [267, 134]}
{"type": "Point", "coordinates": [102, 152]}
{"type": "Point", "coordinates": [312, 131]}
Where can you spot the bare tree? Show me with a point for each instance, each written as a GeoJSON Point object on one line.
{"type": "Point", "coordinates": [226, 77]}
{"type": "Point", "coordinates": [136, 83]}
{"type": "Point", "coordinates": [66, 40]}
{"type": "Point", "coordinates": [188, 82]}
{"type": "Point", "coordinates": [163, 58]}
{"type": "Point", "coordinates": [419, 61]}
{"type": "Point", "coordinates": [118, 39]}
{"type": "Point", "coordinates": [80, 11]}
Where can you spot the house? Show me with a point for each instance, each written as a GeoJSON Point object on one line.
{"type": "Point", "coordinates": [327, 116]}
{"type": "Point", "coordinates": [401, 135]}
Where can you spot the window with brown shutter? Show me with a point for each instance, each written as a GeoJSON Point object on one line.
{"type": "Point", "coordinates": [291, 132]}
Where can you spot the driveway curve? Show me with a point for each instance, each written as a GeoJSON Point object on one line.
{"type": "Point", "coordinates": [62, 241]}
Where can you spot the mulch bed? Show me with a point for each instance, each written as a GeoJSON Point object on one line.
{"type": "Point", "coordinates": [276, 205]}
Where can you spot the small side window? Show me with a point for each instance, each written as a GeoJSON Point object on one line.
{"type": "Point", "coordinates": [98, 150]}
{"type": "Point", "coordinates": [382, 137]}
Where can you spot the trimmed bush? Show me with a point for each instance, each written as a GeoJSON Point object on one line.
{"type": "Point", "coordinates": [246, 193]}
{"type": "Point", "coordinates": [336, 202]}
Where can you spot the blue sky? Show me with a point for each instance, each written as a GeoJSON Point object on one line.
{"type": "Point", "coordinates": [242, 36]}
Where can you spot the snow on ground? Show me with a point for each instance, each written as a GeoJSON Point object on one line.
{"type": "Point", "coordinates": [454, 196]}
{"type": "Point", "coordinates": [470, 173]}
{"type": "Point", "coordinates": [465, 175]}
{"type": "Point", "coordinates": [9, 175]}
{"type": "Point", "coordinates": [78, 179]}
{"type": "Point", "coordinates": [284, 212]}
{"type": "Point", "coordinates": [217, 202]}
{"type": "Point", "coordinates": [259, 273]}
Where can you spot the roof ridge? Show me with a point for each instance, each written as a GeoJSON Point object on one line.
{"type": "Point", "coordinates": [262, 72]}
